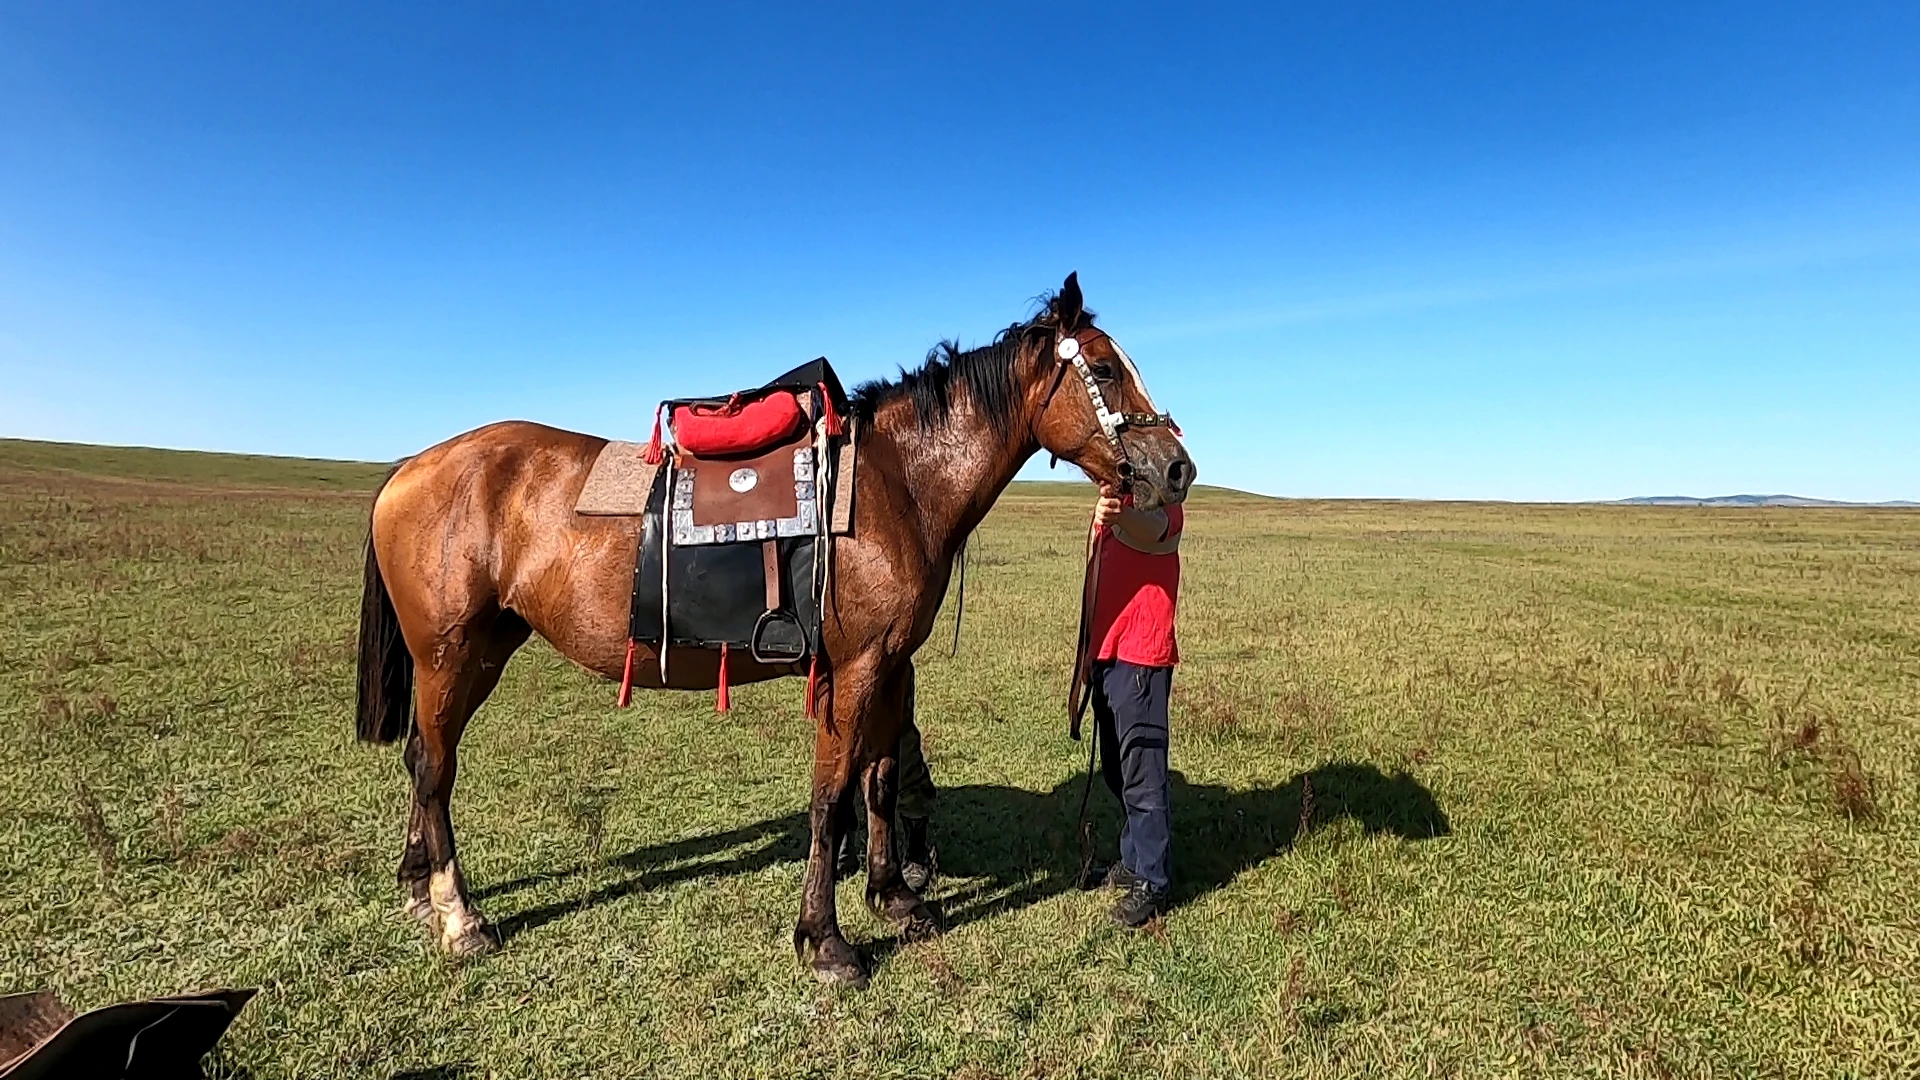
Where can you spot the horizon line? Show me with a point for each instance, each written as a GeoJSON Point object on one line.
{"type": "Point", "coordinates": [1714, 502]}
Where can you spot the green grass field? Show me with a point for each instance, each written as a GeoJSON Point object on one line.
{"type": "Point", "coordinates": [1464, 790]}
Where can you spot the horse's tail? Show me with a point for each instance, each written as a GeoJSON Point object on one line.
{"type": "Point", "coordinates": [386, 667]}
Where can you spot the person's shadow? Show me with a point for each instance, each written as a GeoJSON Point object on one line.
{"type": "Point", "coordinates": [1002, 848]}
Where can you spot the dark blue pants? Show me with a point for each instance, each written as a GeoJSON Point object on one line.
{"type": "Point", "coordinates": [1130, 712]}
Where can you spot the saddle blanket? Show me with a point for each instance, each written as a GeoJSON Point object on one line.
{"type": "Point", "coordinates": [618, 483]}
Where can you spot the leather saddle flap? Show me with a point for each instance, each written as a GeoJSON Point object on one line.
{"type": "Point", "coordinates": [760, 497]}
{"type": "Point", "coordinates": [758, 488]}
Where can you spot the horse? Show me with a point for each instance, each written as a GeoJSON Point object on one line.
{"type": "Point", "coordinates": [473, 545]}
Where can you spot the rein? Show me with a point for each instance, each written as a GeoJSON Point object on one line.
{"type": "Point", "coordinates": [1080, 693]}
{"type": "Point", "coordinates": [960, 601]}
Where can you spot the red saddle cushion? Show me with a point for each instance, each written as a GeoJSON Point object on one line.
{"type": "Point", "coordinates": [721, 430]}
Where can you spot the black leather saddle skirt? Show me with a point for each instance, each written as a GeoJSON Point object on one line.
{"type": "Point", "coordinates": [708, 595]}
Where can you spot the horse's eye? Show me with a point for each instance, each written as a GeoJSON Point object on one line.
{"type": "Point", "coordinates": [1103, 372]}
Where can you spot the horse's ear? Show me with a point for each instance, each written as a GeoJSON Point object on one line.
{"type": "Point", "coordinates": [1069, 306]}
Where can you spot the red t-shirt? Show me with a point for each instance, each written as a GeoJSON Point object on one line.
{"type": "Point", "coordinates": [1133, 608]}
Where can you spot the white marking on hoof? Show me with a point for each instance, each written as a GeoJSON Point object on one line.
{"type": "Point", "coordinates": [462, 930]}
{"type": "Point", "coordinates": [836, 976]}
{"type": "Point", "coordinates": [473, 941]}
{"type": "Point", "coordinates": [420, 910]}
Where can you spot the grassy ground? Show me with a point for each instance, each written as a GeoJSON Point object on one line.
{"type": "Point", "coordinates": [1465, 790]}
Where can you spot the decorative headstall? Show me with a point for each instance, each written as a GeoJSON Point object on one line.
{"type": "Point", "coordinates": [1070, 350]}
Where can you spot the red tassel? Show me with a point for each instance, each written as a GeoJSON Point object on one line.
{"type": "Point", "coordinates": [724, 702]}
{"type": "Point", "coordinates": [813, 686]}
{"type": "Point", "coordinates": [626, 678]}
{"type": "Point", "coordinates": [656, 451]}
{"type": "Point", "coordinates": [834, 428]}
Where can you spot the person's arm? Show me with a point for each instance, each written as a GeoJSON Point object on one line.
{"type": "Point", "coordinates": [1142, 530]}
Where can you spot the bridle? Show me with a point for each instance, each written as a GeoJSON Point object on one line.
{"type": "Point", "coordinates": [1071, 351]}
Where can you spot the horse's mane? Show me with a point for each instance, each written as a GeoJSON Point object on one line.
{"type": "Point", "coordinates": [990, 374]}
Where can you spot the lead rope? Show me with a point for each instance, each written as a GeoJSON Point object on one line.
{"type": "Point", "coordinates": [1086, 827]}
{"type": "Point", "coordinates": [1090, 584]}
{"type": "Point", "coordinates": [960, 601]}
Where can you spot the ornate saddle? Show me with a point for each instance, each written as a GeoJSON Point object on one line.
{"type": "Point", "coordinates": [42, 1039]}
{"type": "Point", "coordinates": [735, 538]}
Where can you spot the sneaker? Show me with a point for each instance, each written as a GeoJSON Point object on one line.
{"type": "Point", "coordinates": [1139, 905]}
{"type": "Point", "coordinates": [917, 865]}
{"type": "Point", "coordinates": [1116, 876]}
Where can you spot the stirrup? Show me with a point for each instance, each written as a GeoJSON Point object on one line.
{"type": "Point", "coordinates": [778, 638]}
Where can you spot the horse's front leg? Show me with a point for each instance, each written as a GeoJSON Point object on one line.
{"type": "Point", "coordinates": [837, 754]}
{"type": "Point", "coordinates": [888, 894]}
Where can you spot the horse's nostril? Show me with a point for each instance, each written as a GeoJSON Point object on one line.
{"type": "Point", "coordinates": [1180, 473]}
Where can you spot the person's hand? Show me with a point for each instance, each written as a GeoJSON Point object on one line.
{"type": "Point", "coordinates": [1107, 510]}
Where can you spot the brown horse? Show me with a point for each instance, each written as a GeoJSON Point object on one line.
{"type": "Point", "coordinates": [474, 545]}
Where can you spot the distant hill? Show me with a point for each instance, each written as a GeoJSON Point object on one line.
{"type": "Point", "coordinates": [1748, 501]}
{"type": "Point", "coordinates": [261, 471]}
{"type": "Point", "coordinates": [141, 463]}
{"type": "Point", "coordinates": [255, 471]}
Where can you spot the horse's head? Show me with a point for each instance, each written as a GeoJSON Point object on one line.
{"type": "Point", "coordinates": [1096, 411]}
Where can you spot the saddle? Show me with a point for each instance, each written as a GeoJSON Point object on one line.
{"type": "Point", "coordinates": [743, 496]}
{"type": "Point", "coordinates": [40, 1037]}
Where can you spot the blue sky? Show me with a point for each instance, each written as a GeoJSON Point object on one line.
{"type": "Point", "coordinates": [1527, 251]}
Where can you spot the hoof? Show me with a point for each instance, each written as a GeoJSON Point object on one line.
{"type": "Point", "coordinates": [474, 939]}
{"type": "Point", "coordinates": [913, 917]}
{"type": "Point", "coordinates": [921, 924]}
{"type": "Point", "coordinates": [420, 910]}
{"type": "Point", "coordinates": [836, 964]}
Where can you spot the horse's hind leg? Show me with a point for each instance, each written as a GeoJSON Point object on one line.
{"type": "Point", "coordinates": [447, 694]}
{"type": "Point", "coordinates": [416, 869]}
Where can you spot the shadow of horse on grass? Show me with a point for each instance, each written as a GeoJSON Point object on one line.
{"type": "Point", "coordinates": [1002, 848]}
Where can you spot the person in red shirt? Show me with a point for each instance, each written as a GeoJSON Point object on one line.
{"type": "Point", "coordinates": [1137, 587]}
{"type": "Point", "coordinates": [1136, 591]}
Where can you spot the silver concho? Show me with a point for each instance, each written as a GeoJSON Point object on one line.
{"type": "Point", "coordinates": [1069, 348]}
{"type": "Point", "coordinates": [743, 479]}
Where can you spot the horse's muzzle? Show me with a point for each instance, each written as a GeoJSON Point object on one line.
{"type": "Point", "coordinates": [1164, 477]}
